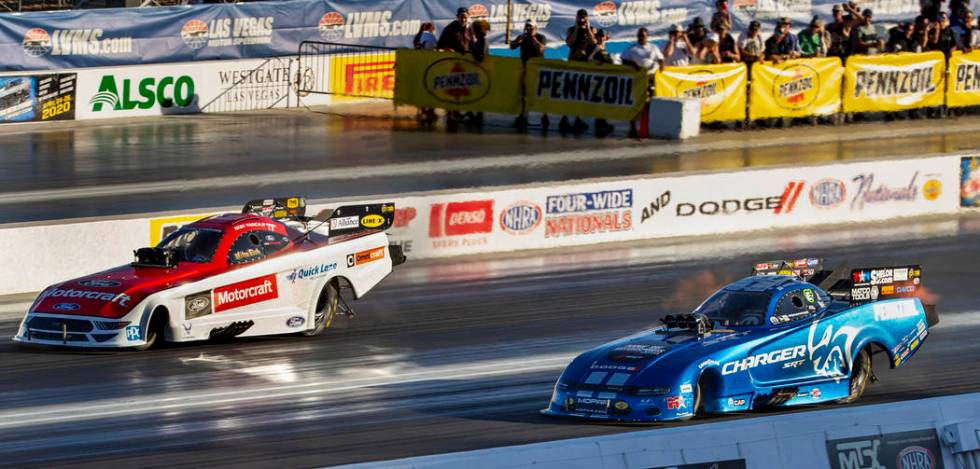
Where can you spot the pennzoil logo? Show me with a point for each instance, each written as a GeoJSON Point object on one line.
{"type": "Point", "coordinates": [796, 86]}
{"type": "Point", "coordinates": [891, 81]}
{"type": "Point", "coordinates": [456, 80]}
{"type": "Point", "coordinates": [967, 77]}
{"type": "Point", "coordinates": [711, 91]}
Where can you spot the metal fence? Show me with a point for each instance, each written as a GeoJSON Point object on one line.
{"type": "Point", "coordinates": [347, 70]}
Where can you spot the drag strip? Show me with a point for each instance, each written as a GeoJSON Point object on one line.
{"type": "Point", "coordinates": [443, 356]}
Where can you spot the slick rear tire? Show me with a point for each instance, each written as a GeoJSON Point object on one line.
{"type": "Point", "coordinates": [860, 376]}
{"type": "Point", "coordinates": [326, 308]}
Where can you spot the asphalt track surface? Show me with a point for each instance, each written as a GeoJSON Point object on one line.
{"type": "Point", "coordinates": [113, 167]}
{"type": "Point", "coordinates": [442, 356]}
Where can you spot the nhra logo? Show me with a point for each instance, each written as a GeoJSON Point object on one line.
{"type": "Point", "coordinates": [520, 218]}
{"type": "Point", "coordinates": [916, 457]}
{"type": "Point", "coordinates": [605, 14]}
{"type": "Point", "coordinates": [331, 26]}
{"type": "Point", "coordinates": [457, 81]}
{"type": "Point", "coordinates": [195, 34]}
{"type": "Point", "coordinates": [828, 193]}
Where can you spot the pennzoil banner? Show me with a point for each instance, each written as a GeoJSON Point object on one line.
{"type": "Point", "coordinates": [893, 82]}
{"type": "Point", "coordinates": [448, 80]}
{"type": "Point", "coordinates": [584, 89]}
{"type": "Point", "coordinates": [964, 80]}
{"type": "Point", "coordinates": [795, 88]}
{"type": "Point", "coordinates": [720, 88]}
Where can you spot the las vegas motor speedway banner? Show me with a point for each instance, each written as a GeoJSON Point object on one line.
{"type": "Point", "coordinates": [963, 88]}
{"type": "Point", "coordinates": [894, 82]}
{"type": "Point", "coordinates": [448, 80]}
{"type": "Point", "coordinates": [55, 40]}
{"type": "Point", "coordinates": [584, 89]}
{"type": "Point", "coordinates": [720, 88]}
{"type": "Point", "coordinates": [795, 88]}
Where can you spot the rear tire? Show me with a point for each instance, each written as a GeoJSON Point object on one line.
{"type": "Point", "coordinates": [154, 330]}
{"type": "Point", "coordinates": [860, 376]}
{"type": "Point", "coordinates": [326, 308]}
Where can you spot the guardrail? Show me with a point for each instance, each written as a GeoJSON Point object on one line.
{"type": "Point", "coordinates": [927, 434]}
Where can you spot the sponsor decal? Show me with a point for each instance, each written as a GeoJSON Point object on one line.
{"type": "Point", "coordinates": [916, 457]}
{"type": "Point", "coordinates": [344, 223]}
{"type": "Point", "coordinates": [520, 218]}
{"type": "Point", "coordinates": [188, 327]}
{"type": "Point", "coordinates": [246, 293]}
{"type": "Point", "coordinates": [815, 393]}
{"type": "Point", "coordinates": [224, 32]}
{"type": "Point", "coordinates": [258, 225]}
{"type": "Point", "coordinates": [165, 92]}
{"type": "Point", "coordinates": [687, 388]}
{"type": "Point", "coordinates": [932, 189]}
{"type": "Point", "coordinates": [790, 195]}
{"type": "Point", "coordinates": [404, 217]}
{"type": "Point", "coordinates": [597, 366]}
{"type": "Point", "coordinates": [707, 363]}
{"type": "Point", "coordinates": [733, 402]}
{"type": "Point", "coordinates": [767, 358]}
{"type": "Point", "coordinates": [457, 80]}
{"type": "Point", "coordinates": [133, 333]}
{"type": "Point", "coordinates": [653, 207]}
{"type": "Point", "coordinates": [676, 402]}
{"type": "Point", "coordinates": [372, 221]}
{"type": "Point", "coordinates": [461, 218]}
{"type": "Point", "coordinates": [589, 213]}
{"type": "Point", "coordinates": [247, 254]}
{"type": "Point", "coordinates": [796, 86]}
{"type": "Point", "coordinates": [830, 350]}
{"type": "Point", "coordinates": [895, 81]}
{"type": "Point", "coordinates": [967, 77]}
{"type": "Point", "coordinates": [99, 283]}
{"type": "Point", "coordinates": [121, 298]}
{"type": "Point", "coordinates": [584, 87]}
{"type": "Point", "coordinates": [635, 352]}
{"type": "Point", "coordinates": [869, 193]}
{"type": "Point", "coordinates": [363, 257]}
{"type": "Point", "coordinates": [916, 449]}
{"type": "Point", "coordinates": [295, 321]}
{"type": "Point", "coordinates": [894, 310]}
{"type": "Point", "coordinates": [828, 193]}
{"type": "Point", "coordinates": [66, 307]}
{"type": "Point", "coordinates": [730, 206]}
{"type": "Point", "coordinates": [38, 42]}
{"type": "Point", "coordinates": [371, 75]}
{"type": "Point", "coordinates": [311, 272]}
{"type": "Point", "coordinates": [197, 305]}
{"type": "Point", "coordinates": [808, 294]}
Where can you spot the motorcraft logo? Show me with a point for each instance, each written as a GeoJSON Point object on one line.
{"type": "Point", "coordinates": [365, 25]}
{"type": "Point", "coordinates": [828, 193]}
{"type": "Point", "coordinates": [120, 299]}
{"type": "Point", "coordinates": [894, 81]}
{"type": "Point", "coordinates": [245, 293]}
{"type": "Point", "coordinates": [311, 272]}
{"type": "Point", "coordinates": [457, 80]}
{"type": "Point", "coordinates": [796, 86]}
{"type": "Point", "coordinates": [520, 218]}
{"type": "Point", "coordinates": [967, 77]}
{"type": "Point", "coordinates": [461, 218]}
{"type": "Point", "coordinates": [589, 213]}
{"type": "Point", "coordinates": [224, 32]}
{"type": "Point", "coordinates": [584, 87]}
{"type": "Point", "coordinates": [38, 42]}
{"type": "Point", "coordinates": [146, 93]}
{"type": "Point", "coordinates": [521, 12]}
{"type": "Point", "coordinates": [868, 192]}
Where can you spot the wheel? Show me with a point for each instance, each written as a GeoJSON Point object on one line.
{"type": "Point", "coordinates": [326, 308]}
{"type": "Point", "coordinates": [860, 375]}
{"type": "Point", "coordinates": [154, 331]}
{"type": "Point", "coordinates": [697, 403]}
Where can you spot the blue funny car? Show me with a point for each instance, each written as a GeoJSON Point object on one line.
{"type": "Point", "coordinates": [774, 339]}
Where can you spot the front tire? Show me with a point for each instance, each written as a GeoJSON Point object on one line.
{"type": "Point", "coordinates": [860, 376]}
{"type": "Point", "coordinates": [154, 330]}
{"type": "Point", "coordinates": [326, 308]}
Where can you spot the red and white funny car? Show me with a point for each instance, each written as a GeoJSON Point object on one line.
{"type": "Point", "coordinates": [267, 270]}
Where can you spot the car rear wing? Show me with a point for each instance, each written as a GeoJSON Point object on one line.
{"type": "Point", "coordinates": [280, 208]}
{"type": "Point", "coordinates": [350, 219]}
{"type": "Point", "coordinates": [870, 284]}
{"type": "Point", "coordinates": [809, 269]}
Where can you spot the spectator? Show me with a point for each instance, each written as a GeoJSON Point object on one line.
{"type": "Point", "coordinates": [707, 52]}
{"type": "Point", "coordinates": [479, 47]}
{"type": "Point", "coordinates": [901, 38]}
{"type": "Point", "coordinates": [866, 39]}
{"type": "Point", "coordinates": [814, 40]}
{"type": "Point", "coordinates": [643, 55]}
{"type": "Point", "coordinates": [601, 56]}
{"type": "Point", "coordinates": [921, 33]}
{"type": "Point", "coordinates": [721, 15]}
{"type": "Point", "coordinates": [840, 34]}
{"type": "Point", "coordinates": [426, 37]}
{"type": "Point", "coordinates": [727, 45]}
{"type": "Point", "coordinates": [581, 40]}
{"type": "Point", "coordinates": [532, 44]}
{"type": "Point", "coordinates": [966, 35]}
{"type": "Point", "coordinates": [458, 35]}
{"type": "Point", "coordinates": [678, 50]}
{"type": "Point", "coordinates": [942, 37]}
{"type": "Point", "coordinates": [782, 45]}
{"type": "Point", "coordinates": [750, 45]}
{"type": "Point", "coordinates": [958, 10]}
{"type": "Point", "coordinates": [696, 31]}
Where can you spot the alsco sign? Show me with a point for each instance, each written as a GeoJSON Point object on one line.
{"type": "Point", "coordinates": [145, 94]}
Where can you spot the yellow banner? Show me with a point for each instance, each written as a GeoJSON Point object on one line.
{"type": "Point", "coordinates": [893, 82]}
{"type": "Point", "coordinates": [452, 81]}
{"type": "Point", "coordinates": [795, 88]}
{"type": "Point", "coordinates": [584, 89]}
{"type": "Point", "coordinates": [720, 88]}
{"type": "Point", "coordinates": [359, 76]}
{"type": "Point", "coordinates": [964, 80]}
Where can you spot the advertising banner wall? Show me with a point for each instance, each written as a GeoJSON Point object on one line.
{"type": "Point", "coordinates": [720, 88]}
{"type": "Point", "coordinates": [584, 89]}
{"type": "Point", "coordinates": [894, 82]}
{"type": "Point", "coordinates": [963, 88]}
{"type": "Point", "coordinates": [448, 80]}
{"type": "Point", "coordinates": [356, 76]}
{"type": "Point", "coordinates": [795, 88]}
{"type": "Point", "coordinates": [37, 98]}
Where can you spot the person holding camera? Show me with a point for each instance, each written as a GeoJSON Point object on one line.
{"type": "Point", "coordinates": [678, 50]}
{"type": "Point", "coordinates": [942, 37]}
{"type": "Point", "coordinates": [581, 40]}
{"type": "Point", "coordinates": [532, 45]}
{"type": "Point", "coordinates": [782, 45]}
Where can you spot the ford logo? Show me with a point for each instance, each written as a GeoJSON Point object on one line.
{"type": "Point", "coordinates": [66, 307]}
{"type": "Point", "coordinates": [96, 283]}
{"type": "Point", "coordinates": [295, 321]}
{"type": "Point", "coordinates": [520, 218]}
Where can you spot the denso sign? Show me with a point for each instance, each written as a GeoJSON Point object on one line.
{"type": "Point", "coordinates": [461, 218]}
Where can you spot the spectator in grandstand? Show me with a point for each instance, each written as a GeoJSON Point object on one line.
{"type": "Point", "coordinates": [942, 37]}
{"type": "Point", "coordinates": [721, 15]}
{"type": "Point", "coordinates": [931, 8]}
{"type": "Point", "coordinates": [707, 51]}
{"type": "Point", "coordinates": [957, 10]}
{"type": "Point", "coordinates": [782, 45]}
{"type": "Point", "coordinates": [840, 33]}
{"type": "Point", "coordinates": [458, 35]}
{"type": "Point", "coordinates": [967, 36]}
{"type": "Point", "coordinates": [921, 33]}
{"type": "Point", "coordinates": [677, 51]}
{"type": "Point", "coordinates": [581, 41]}
{"type": "Point", "coordinates": [643, 56]}
{"type": "Point", "coordinates": [727, 45]}
{"type": "Point", "coordinates": [601, 56]}
{"type": "Point", "coordinates": [426, 37]}
{"type": "Point", "coordinates": [901, 38]}
{"type": "Point", "coordinates": [866, 38]}
{"type": "Point", "coordinates": [479, 47]}
{"type": "Point", "coordinates": [532, 44]}
{"type": "Point", "coordinates": [696, 31]}
{"type": "Point", "coordinates": [814, 40]}
{"type": "Point", "coordinates": [751, 47]}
